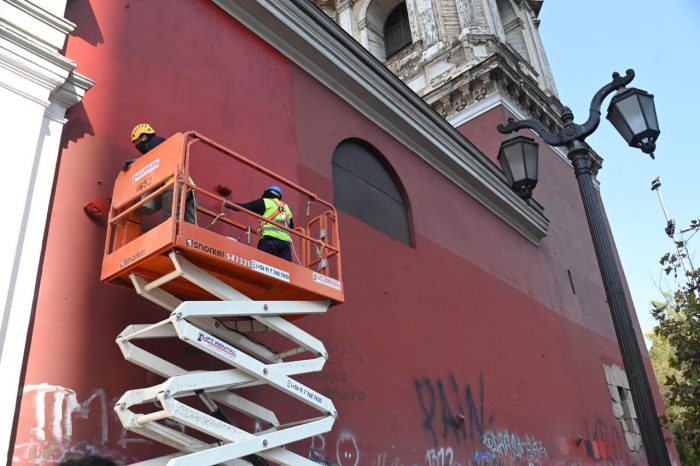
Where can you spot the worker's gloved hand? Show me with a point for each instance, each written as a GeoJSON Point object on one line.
{"type": "Point", "coordinates": [127, 164]}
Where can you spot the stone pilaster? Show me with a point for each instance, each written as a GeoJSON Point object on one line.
{"type": "Point", "coordinates": [37, 86]}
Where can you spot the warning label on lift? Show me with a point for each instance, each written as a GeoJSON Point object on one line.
{"type": "Point", "coordinates": [269, 270]}
{"type": "Point", "coordinates": [145, 171]}
{"type": "Point", "coordinates": [328, 281]}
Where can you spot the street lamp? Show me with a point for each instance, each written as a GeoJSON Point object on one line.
{"type": "Point", "coordinates": [633, 114]}
{"type": "Point", "coordinates": [518, 157]}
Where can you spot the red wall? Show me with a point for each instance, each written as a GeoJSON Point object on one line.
{"type": "Point", "coordinates": [474, 319]}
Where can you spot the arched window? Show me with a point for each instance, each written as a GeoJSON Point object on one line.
{"type": "Point", "coordinates": [365, 187]}
{"type": "Point", "coordinates": [397, 30]}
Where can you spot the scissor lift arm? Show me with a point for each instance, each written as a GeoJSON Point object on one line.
{"type": "Point", "coordinates": [219, 292]}
{"type": "Point", "coordinates": [197, 324]}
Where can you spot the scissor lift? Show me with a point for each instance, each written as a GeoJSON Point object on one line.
{"type": "Point", "coordinates": [219, 292]}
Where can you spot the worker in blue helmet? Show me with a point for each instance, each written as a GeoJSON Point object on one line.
{"type": "Point", "coordinates": [273, 239]}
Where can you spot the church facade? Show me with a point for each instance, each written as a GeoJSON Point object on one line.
{"type": "Point", "coordinates": [475, 328]}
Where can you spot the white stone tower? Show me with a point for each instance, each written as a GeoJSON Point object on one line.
{"type": "Point", "coordinates": [463, 57]}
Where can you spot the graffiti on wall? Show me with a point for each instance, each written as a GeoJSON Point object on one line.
{"type": "Point", "coordinates": [345, 453]}
{"type": "Point", "coordinates": [451, 411]}
{"type": "Point", "coordinates": [512, 445]}
{"type": "Point", "coordinates": [598, 443]}
{"type": "Point", "coordinates": [484, 458]}
{"type": "Point", "coordinates": [456, 415]}
{"type": "Point", "coordinates": [439, 456]}
{"type": "Point", "coordinates": [54, 411]}
{"type": "Point", "coordinates": [386, 459]}
{"type": "Point", "coordinates": [337, 383]}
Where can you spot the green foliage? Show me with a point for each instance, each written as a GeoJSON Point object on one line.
{"type": "Point", "coordinates": [675, 355]}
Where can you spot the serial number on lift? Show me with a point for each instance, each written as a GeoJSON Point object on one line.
{"type": "Point", "coordinates": [144, 184]}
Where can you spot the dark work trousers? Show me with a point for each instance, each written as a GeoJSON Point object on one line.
{"type": "Point", "coordinates": [190, 206]}
{"type": "Point", "coordinates": [276, 247]}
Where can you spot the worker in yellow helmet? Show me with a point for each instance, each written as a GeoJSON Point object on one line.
{"type": "Point", "coordinates": [144, 138]}
{"type": "Point", "coordinates": [273, 239]}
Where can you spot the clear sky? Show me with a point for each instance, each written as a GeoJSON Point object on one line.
{"type": "Point", "coordinates": [585, 41]}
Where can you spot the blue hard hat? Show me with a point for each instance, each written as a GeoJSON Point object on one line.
{"type": "Point", "coordinates": [275, 189]}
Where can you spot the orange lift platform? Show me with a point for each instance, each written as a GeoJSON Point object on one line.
{"type": "Point", "coordinates": [219, 291]}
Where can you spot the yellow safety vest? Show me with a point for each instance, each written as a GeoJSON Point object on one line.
{"type": "Point", "coordinates": [278, 212]}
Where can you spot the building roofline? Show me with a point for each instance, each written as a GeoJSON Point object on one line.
{"type": "Point", "coordinates": [305, 35]}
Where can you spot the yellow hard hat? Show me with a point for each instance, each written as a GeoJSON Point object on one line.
{"type": "Point", "coordinates": [142, 128]}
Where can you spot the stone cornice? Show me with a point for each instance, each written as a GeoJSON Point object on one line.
{"type": "Point", "coordinates": [536, 6]}
{"type": "Point", "coordinates": [498, 73]}
{"type": "Point", "coordinates": [314, 42]}
{"type": "Point", "coordinates": [33, 20]}
{"type": "Point", "coordinates": [33, 67]}
{"type": "Point", "coordinates": [72, 90]}
{"type": "Point", "coordinates": [26, 54]}
{"type": "Point", "coordinates": [68, 94]}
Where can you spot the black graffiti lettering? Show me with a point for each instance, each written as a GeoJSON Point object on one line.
{"type": "Point", "coordinates": [448, 420]}
{"type": "Point", "coordinates": [462, 430]}
{"type": "Point", "coordinates": [345, 395]}
{"type": "Point", "coordinates": [428, 411]}
{"type": "Point", "coordinates": [476, 418]}
{"type": "Point", "coordinates": [610, 436]}
{"type": "Point", "coordinates": [450, 407]}
{"type": "Point", "coordinates": [617, 443]}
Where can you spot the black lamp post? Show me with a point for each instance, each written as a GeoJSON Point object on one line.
{"type": "Point", "coordinates": [632, 113]}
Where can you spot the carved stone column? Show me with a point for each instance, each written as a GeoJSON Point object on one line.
{"type": "Point", "coordinates": [493, 18]}
{"type": "Point", "coordinates": [467, 15]}
{"type": "Point", "coordinates": [425, 19]}
{"type": "Point", "coordinates": [344, 19]}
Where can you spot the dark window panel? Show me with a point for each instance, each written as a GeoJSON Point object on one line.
{"type": "Point", "coordinates": [355, 158]}
{"type": "Point", "coordinates": [363, 188]}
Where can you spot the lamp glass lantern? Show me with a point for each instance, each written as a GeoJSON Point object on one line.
{"type": "Point", "coordinates": [633, 114]}
{"type": "Point", "coordinates": [519, 161]}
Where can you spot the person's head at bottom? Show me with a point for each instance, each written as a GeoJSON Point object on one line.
{"type": "Point", "coordinates": [89, 460]}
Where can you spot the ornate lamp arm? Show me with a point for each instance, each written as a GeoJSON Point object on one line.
{"type": "Point", "coordinates": [571, 131]}
{"type": "Point", "coordinates": [536, 126]}
{"type": "Point", "coordinates": [594, 113]}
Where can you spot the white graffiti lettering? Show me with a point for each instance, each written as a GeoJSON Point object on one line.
{"type": "Point", "coordinates": [347, 452]}
{"type": "Point", "coordinates": [505, 443]}
{"type": "Point", "coordinates": [54, 411]}
{"type": "Point", "coordinates": [439, 457]}
{"type": "Point", "coordinates": [383, 460]}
